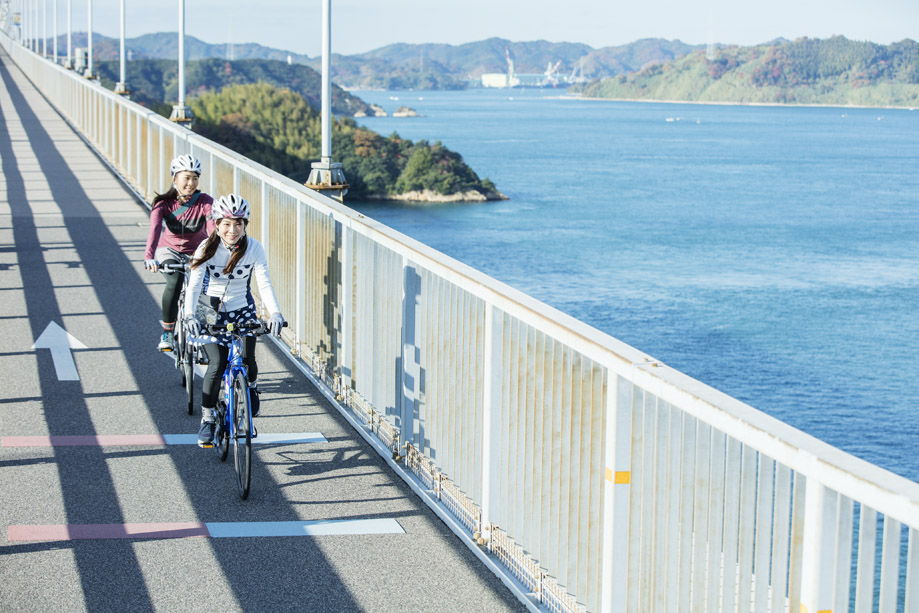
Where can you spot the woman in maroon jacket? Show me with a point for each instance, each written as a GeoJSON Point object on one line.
{"type": "Point", "coordinates": [179, 220]}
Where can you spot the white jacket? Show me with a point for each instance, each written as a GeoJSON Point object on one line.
{"type": "Point", "coordinates": [233, 289]}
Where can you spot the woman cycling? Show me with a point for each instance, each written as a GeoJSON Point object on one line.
{"type": "Point", "coordinates": [221, 273]}
{"type": "Point", "coordinates": [185, 212]}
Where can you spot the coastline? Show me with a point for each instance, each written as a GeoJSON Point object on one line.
{"type": "Point", "coordinates": [724, 103]}
{"type": "Point", "coordinates": [428, 196]}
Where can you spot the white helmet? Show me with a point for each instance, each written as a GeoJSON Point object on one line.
{"type": "Point", "coordinates": [230, 205]}
{"type": "Point", "coordinates": [185, 162]}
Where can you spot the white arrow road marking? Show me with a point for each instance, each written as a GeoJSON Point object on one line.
{"type": "Point", "coordinates": [60, 342]}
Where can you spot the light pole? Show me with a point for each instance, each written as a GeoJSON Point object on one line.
{"type": "Point", "coordinates": [69, 62]}
{"type": "Point", "coordinates": [44, 28]}
{"type": "Point", "coordinates": [327, 176]}
{"type": "Point", "coordinates": [181, 114]}
{"type": "Point", "coordinates": [54, 28]}
{"type": "Point", "coordinates": [17, 21]}
{"type": "Point", "coordinates": [89, 45]}
{"type": "Point", "coordinates": [120, 87]}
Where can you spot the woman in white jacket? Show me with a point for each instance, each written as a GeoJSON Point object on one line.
{"type": "Point", "coordinates": [222, 270]}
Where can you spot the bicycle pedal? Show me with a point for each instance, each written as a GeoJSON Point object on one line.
{"type": "Point", "coordinates": [206, 445]}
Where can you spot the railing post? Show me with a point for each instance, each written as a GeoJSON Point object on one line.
{"type": "Point", "coordinates": [264, 215]}
{"type": "Point", "coordinates": [347, 306]}
{"type": "Point", "coordinates": [135, 148]}
{"type": "Point", "coordinates": [819, 549]}
{"type": "Point", "coordinates": [149, 159]}
{"type": "Point", "coordinates": [911, 598]}
{"type": "Point", "coordinates": [110, 116]}
{"type": "Point", "coordinates": [410, 368]}
{"type": "Point", "coordinates": [301, 277]}
{"type": "Point", "coordinates": [491, 390]}
{"type": "Point", "coordinates": [616, 491]}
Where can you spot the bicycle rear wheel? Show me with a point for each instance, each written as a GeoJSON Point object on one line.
{"type": "Point", "coordinates": [242, 436]}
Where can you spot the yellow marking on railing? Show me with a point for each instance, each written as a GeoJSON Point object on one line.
{"type": "Point", "coordinates": [619, 477]}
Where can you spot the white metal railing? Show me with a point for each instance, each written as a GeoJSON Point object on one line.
{"type": "Point", "coordinates": [597, 475]}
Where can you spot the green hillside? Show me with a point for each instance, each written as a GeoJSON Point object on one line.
{"type": "Point", "coordinates": [834, 71]}
{"type": "Point", "coordinates": [278, 128]}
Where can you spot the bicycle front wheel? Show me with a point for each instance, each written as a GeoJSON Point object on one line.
{"type": "Point", "coordinates": [178, 347]}
{"type": "Point", "coordinates": [242, 435]}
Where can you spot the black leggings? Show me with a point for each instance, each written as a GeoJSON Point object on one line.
{"type": "Point", "coordinates": [217, 356]}
{"type": "Point", "coordinates": [171, 294]}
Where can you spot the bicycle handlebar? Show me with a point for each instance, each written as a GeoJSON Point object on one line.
{"type": "Point", "coordinates": [178, 267]}
{"type": "Point", "coordinates": [255, 327]}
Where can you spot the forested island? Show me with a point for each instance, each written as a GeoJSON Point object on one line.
{"type": "Point", "coordinates": [834, 71]}
{"type": "Point", "coordinates": [268, 111]}
{"type": "Point", "coordinates": [280, 129]}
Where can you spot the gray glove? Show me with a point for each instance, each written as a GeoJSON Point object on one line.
{"type": "Point", "coordinates": [192, 327]}
{"type": "Point", "coordinates": [275, 323]}
{"type": "Point", "coordinates": [151, 265]}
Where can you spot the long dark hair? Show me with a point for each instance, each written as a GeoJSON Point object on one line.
{"type": "Point", "coordinates": [210, 248]}
{"type": "Point", "coordinates": [171, 194]}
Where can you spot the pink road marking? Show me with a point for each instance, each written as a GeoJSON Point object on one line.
{"type": "Point", "coordinates": [82, 440]}
{"type": "Point", "coordinates": [65, 532]}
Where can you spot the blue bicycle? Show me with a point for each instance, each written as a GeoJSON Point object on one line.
{"type": "Point", "coordinates": [234, 408]}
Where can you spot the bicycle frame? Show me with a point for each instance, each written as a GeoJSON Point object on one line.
{"type": "Point", "coordinates": [236, 380]}
{"type": "Point", "coordinates": [234, 367]}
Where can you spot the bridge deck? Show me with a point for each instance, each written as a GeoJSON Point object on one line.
{"type": "Point", "coordinates": [117, 520]}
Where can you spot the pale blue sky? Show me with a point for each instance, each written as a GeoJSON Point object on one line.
{"type": "Point", "coordinates": [362, 25]}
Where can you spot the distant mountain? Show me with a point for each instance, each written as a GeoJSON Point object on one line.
{"type": "Point", "coordinates": [471, 60]}
{"type": "Point", "coordinates": [164, 45]}
{"type": "Point", "coordinates": [611, 61]}
{"type": "Point", "coordinates": [834, 71]}
{"type": "Point", "coordinates": [154, 82]}
{"type": "Point", "coordinates": [423, 66]}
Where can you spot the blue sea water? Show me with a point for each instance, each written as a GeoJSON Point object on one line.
{"type": "Point", "coordinates": [770, 252]}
